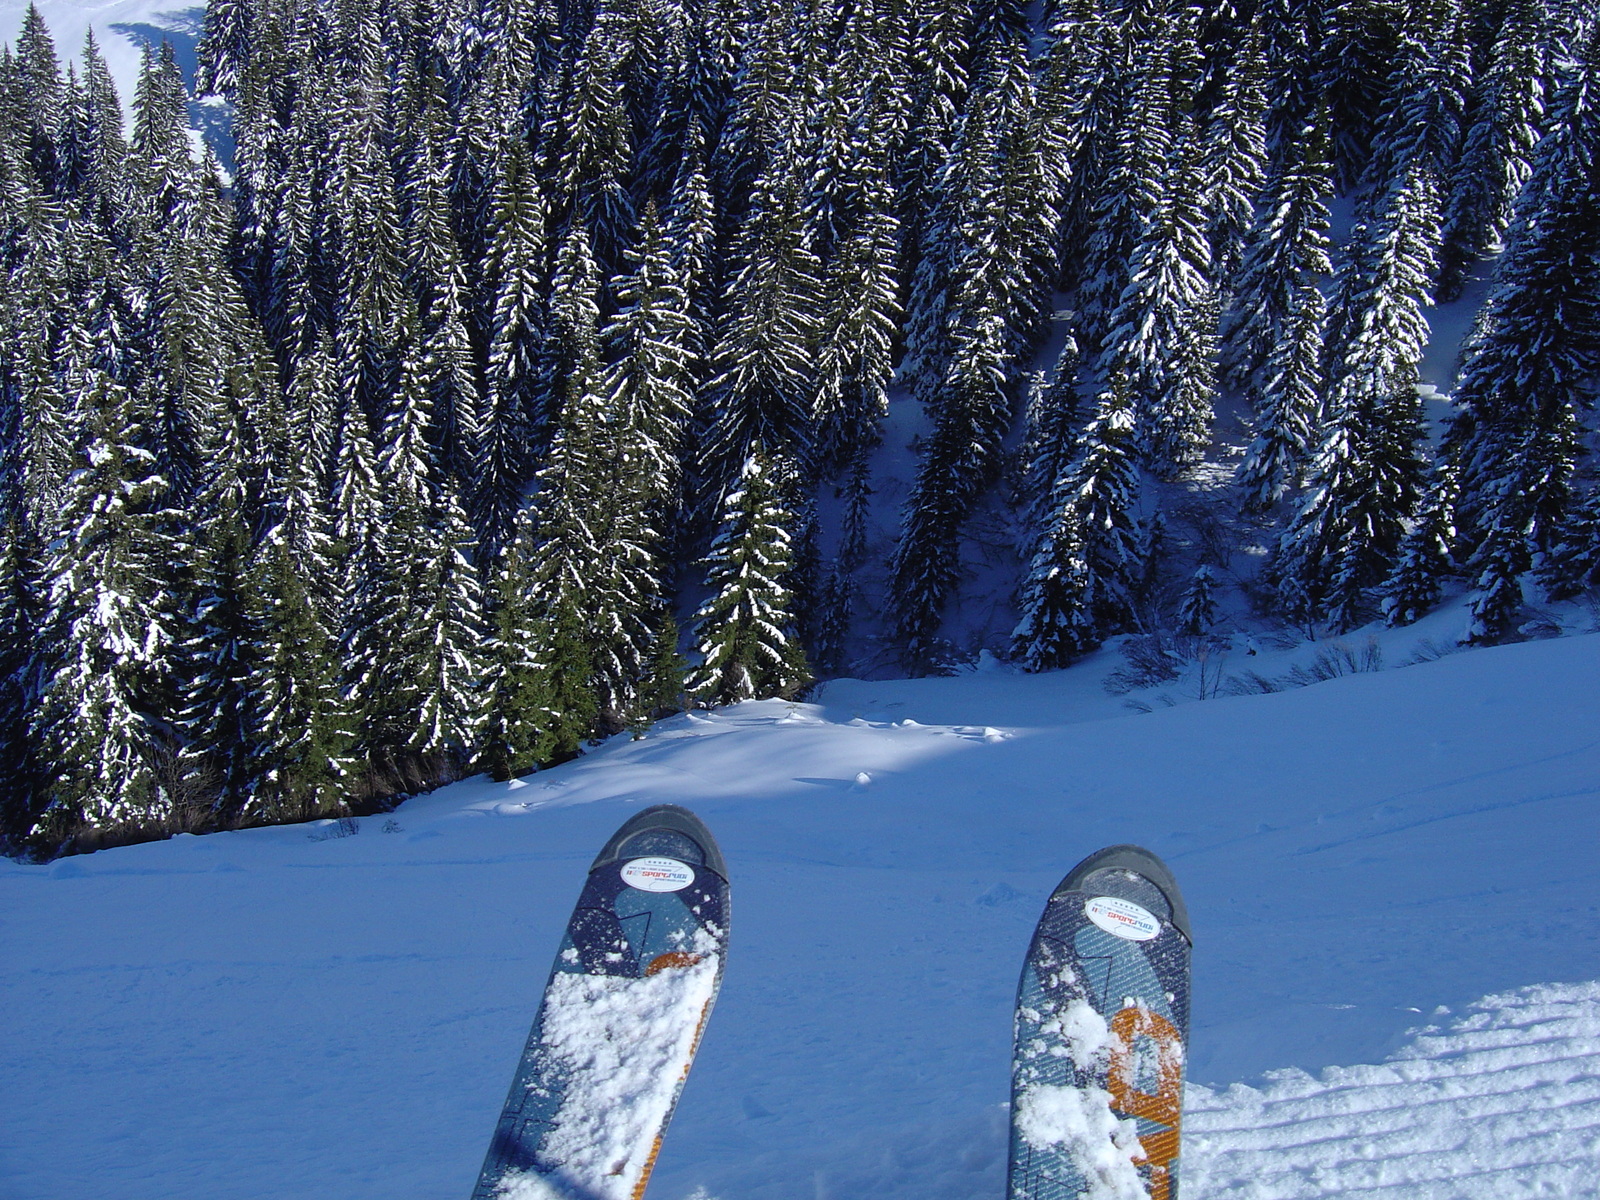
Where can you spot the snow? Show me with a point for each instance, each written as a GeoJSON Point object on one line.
{"type": "Point", "coordinates": [1080, 1119]}
{"type": "Point", "coordinates": [625, 1043]}
{"type": "Point", "coordinates": [123, 28]}
{"type": "Point", "coordinates": [1504, 1101]}
{"type": "Point", "coordinates": [295, 1013]}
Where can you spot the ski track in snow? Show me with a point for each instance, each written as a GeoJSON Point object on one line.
{"type": "Point", "coordinates": [288, 1014]}
{"type": "Point", "coordinates": [1503, 1102]}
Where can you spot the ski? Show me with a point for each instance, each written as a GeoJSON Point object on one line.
{"type": "Point", "coordinates": [622, 1014]}
{"type": "Point", "coordinates": [1101, 1030]}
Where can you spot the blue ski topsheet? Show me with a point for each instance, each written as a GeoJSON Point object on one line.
{"type": "Point", "coordinates": [1101, 1030]}
{"type": "Point", "coordinates": [621, 1017]}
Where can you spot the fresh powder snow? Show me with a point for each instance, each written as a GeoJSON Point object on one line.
{"type": "Point", "coordinates": [1391, 875]}
{"type": "Point", "coordinates": [1080, 1119]}
{"type": "Point", "coordinates": [624, 1044]}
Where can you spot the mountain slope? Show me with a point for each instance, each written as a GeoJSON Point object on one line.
{"type": "Point", "coordinates": [289, 1013]}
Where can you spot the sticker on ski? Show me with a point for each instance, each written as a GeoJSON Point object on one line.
{"type": "Point", "coordinates": [1102, 1026]}
{"type": "Point", "coordinates": [622, 1014]}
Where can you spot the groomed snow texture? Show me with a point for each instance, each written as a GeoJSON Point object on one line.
{"type": "Point", "coordinates": [289, 1014]}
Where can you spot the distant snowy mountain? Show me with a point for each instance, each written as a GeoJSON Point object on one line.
{"type": "Point", "coordinates": [295, 1012]}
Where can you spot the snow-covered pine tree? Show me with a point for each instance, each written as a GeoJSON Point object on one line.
{"type": "Point", "coordinates": [745, 631]}
{"type": "Point", "coordinates": [225, 45]}
{"type": "Point", "coordinates": [299, 751]}
{"type": "Point", "coordinates": [972, 403]}
{"type": "Point", "coordinates": [1367, 476]}
{"type": "Point", "coordinates": [593, 137]}
{"type": "Point", "coordinates": [689, 227]}
{"type": "Point", "coordinates": [160, 155]}
{"type": "Point", "coordinates": [516, 712]}
{"type": "Point", "coordinates": [860, 289]}
{"type": "Point", "coordinates": [446, 644]}
{"type": "Point", "coordinates": [439, 280]}
{"type": "Point", "coordinates": [218, 645]}
{"type": "Point", "coordinates": [1287, 404]}
{"type": "Point", "coordinates": [40, 100]}
{"type": "Point", "coordinates": [1571, 567]}
{"type": "Point", "coordinates": [105, 623]}
{"type": "Point", "coordinates": [1357, 50]}
{"type": "Point", "coordinates": [1137, 156]}
{"type": "Point", "coordinates": [1197, 607]}
{"type": "Point", "coordinates": [97, 174]}
{"type": "Point", "coordinates": [517, 409]}
{"type": "Point", "coordinates": [1530, 363]}
{"type": "Point", "coordinates": [1287, 250]}
{"type": "Point", "coordinates": [1502, 125]}
{"type": "Point", "coordinates": [590, 552]}
{"type": "Point", "coordinates": [1053, 421]}
{"type": "Point", "coordinates": [1083, 573]}
{"type": "Point", "coordinates": [18, 603]}
{"type": "Point", "coordinates": [1161, 335]}
{"type": "Point", "coordinates": [1235, 154]}
{"type": "Point", "coordinates": [650, 342]}
{"type": "Point", "coordinates": [1427, 552]}
{"type": "Point", "coordinates": [764, 354]}
{"type": "Point", "coordinates": [1075, 119]}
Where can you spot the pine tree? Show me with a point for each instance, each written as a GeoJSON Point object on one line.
{"type": "Point", "coordinates": [41, 95]}
{"type": "Point", "coordinates": [225, 45]}
{"type": "Point", "coordinates": [1287, 250]}
{"type": "Point", "coordinates": [1427, 553]}
{"type": "Point", "coordinates": [300, 762]}
{"type": "Point", "coordinates": [518, 410]}
{"type": "Point", "coordinates": [1572, 565]}
{"type": "Point", "coordinates": [1235, 154]}
{"type": "Point", "coordinates": [1363, 490]}
{"type": "Point", "coordinates": [745, 633]}
{"type": "Point", "coordinates": [1522, 381]}
{"type": "Point", "coordinates": [648, 384]}
{"type": "Point", "coordinates": [517, 715]}
{"type": "Point", "coordinates": [1506, 110]}
{"type": "Point", "coordinates": [858, 333]}
{"type": "Point", "coordinates": [595, 137]}
{"type": "Point", "coordinates": [104, 627]}
{"type": "Point", "coordinates": [18, 769]}
{"type": "Point", "coordinates": [1052, 426]}
{"type": "Point", "coordinates": [98, 176]}
{"type": "Point", "coordinates": [1082, 577]}
{"type": "Point", "coordinates": [1197, 607]}
{"type": "Point", "coordinates": [448, 654]}
{"type": "Point", "coordinates": [763, 357]}
{"type": "Point", "coordinates": [1287, 407]}
{"type": "Point", "coordinates": [1162, 332]}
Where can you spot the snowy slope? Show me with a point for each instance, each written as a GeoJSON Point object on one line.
{"type": "Point", "coordinates": [122, 27]}
{"type": "Point", "coordinates": [285, 1013]}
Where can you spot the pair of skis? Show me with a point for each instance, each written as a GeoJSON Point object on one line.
{"type": "Point", "coordinates": [1097, 1071]}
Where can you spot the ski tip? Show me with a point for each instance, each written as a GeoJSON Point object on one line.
{"type": "Point", "coordinates": [668, 830]}
{"type": "Point", "coordinates": [1108, 871]}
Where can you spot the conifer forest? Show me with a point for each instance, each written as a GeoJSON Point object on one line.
{"type": "Point", "coordinates": [516, 371]}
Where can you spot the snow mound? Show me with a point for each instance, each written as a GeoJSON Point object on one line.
{"type": "Point", "coordinates": [1501, 1103]}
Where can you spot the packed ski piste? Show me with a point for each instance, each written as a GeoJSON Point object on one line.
{"type": "Point", "coordinates": [938, 987]}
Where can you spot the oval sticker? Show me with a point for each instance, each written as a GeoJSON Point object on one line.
{"type": "Point", "coordinates": [658, 874]}
{"type": "Point", "coordinates": [1123, 918]}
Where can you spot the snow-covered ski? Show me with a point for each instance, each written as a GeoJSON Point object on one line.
{"type": "Point", "coordinates": [621, 1018]}
{"type": "Point", "coordinates": [1101, 1029]}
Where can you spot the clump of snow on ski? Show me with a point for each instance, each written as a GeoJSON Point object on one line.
{"type": "Point", "coordinates": [626, 1045]}
{"type": "Point", "coordinates": [1502, 1102]}
{"type": "Point", "coordinates": [1080, 1122]}
{"type": "Point", "coordinates": [1088, 1039]}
